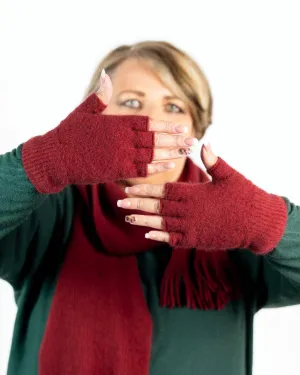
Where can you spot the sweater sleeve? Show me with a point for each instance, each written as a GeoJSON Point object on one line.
{"type": "Point", "coordinates": [28, 220]}
{"type": "Point", "coordinates": [280, 268]}
{"type": "Point", "coordinates": [273, 279]}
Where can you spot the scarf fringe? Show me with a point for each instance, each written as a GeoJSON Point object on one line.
{"type": "Point", "coordinates": [199, 279]}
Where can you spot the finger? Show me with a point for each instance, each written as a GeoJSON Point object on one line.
{"type": "Point", "coordinates": [147, 190]}
{"type": "Point", "coordinates": [216, 167]}
{"type": "Point", "coordinates": [173, 153]}
{"type": "Point", "coordinates": [167, 140]}
{"type": "Point", "coordinates": [155, 222]}
{"type": "Point", "coordinates": [160, 167]}
{"type": "Point", "coordinates": [167, 127]}
{"type": "Point", "coordinates": [105, 90]}
{"type": "Point", "coordinates": [143, 204]}
{"type": "Point", "coordinates": [158, 236]}
{"type": "Point", "coordinates": [208, 157]}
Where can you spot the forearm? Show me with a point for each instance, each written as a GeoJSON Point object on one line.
{"type": "Point", "coordinates": [285, 257]}
{"type": "Point", "coordinates": [18, 197]}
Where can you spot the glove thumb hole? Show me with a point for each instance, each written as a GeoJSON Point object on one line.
{"type": "Point", "coordinates": [220, 170]}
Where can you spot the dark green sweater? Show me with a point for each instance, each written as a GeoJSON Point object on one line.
{"type": "Point", "coordinates": [184, 341]}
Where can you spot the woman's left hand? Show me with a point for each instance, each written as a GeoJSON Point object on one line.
{"type": "Point", "coordinates": [228, 212]}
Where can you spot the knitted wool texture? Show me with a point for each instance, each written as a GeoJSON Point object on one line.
{"type": "Point", "coordinates": [99, 321]}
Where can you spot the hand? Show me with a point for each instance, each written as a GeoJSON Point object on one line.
{"type": "Point", "coordinates": [169, 139]}
{"type": "Point", "coordinates": [89, 147]}
{"type": "Point", "coordinates": [227, 213]}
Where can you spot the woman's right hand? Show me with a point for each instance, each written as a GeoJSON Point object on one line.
{"type": "Point", "coordinates": [90, 147]}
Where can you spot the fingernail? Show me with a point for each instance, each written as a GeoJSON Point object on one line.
{"type": "Point", "coordinates": [130, 219]}
{"type": "Point", "coordinates": [190, 141]}
{"type": "Point", "coordinates": [102, 77]}
{"type": "Point", "coordinates": [123, 203]}
{"type": "Point", "coordinates": [147, 235]}
{"type": "Point", "coordinates": [184, 151]}
{"type": "Point", "coordinates": [132, 189]}
{"type": "Point", "coordinates": [169, 165]}
{"type": "Point", "coordinates": [208, 147]}
{"type": "Point", "coordinates": [181, 129]}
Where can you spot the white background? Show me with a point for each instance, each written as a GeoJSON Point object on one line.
{"type": "Point", "coordinates": [250, 53]}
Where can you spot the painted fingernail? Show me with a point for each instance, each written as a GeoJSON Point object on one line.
{"type": "Point", "coordinates": [181, 129]}
{"type": "Point", "coordinates": [130, 219]}
{"type": "Point", "coordinates": [190, 141]}
{"type": "Point", "coordinates": [184, 151]}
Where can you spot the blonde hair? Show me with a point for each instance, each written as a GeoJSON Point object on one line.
{"type": "Point", "coordinates": [177, 70]}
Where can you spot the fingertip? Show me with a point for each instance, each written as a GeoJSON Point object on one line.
{"type": "Point", "coordinates": [105, 90]}
{"type": "Point", "coordinates": [102, 77]}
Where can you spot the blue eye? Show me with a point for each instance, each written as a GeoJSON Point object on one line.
{"type": "Point", "coordinates": [173, 108]}
{"type": "Point", "coordinates": [131, 103]}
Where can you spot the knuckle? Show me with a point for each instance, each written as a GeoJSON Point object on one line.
{"type": "Point", "coordinates": [139, 204]}
{"type": "Point", "coordinates": [171, 152]}
{"type": "Point", "coordinates": [155, 154]}
{"type": "Point", "coordinates": [157, 206]}
{"type": "Point", "coordinates": [151, 124]}
{"type": "Point", "coordinates": [156, 191]}
{"type": "Point", "coordinates": [156, 139]}
{"type": "Point", "coordinates": [167, 127]}
{"type": "Point", "coordinates": [143, 189]}
{"type": "Point", "coordinates": [161, 224]}
{"type": "Point", "coordinates": [148, 189]}
{"type": "Point", "coordinates": [158, 168]}
{"type": "Point", "coordinates": [179, 140]}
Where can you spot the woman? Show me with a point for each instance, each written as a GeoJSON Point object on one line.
{"type": "Point", "coordinates": [124, 256]}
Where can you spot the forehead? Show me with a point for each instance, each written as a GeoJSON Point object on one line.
{"type": "Point", "coordinates": [133, 74]}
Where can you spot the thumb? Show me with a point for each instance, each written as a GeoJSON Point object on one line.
{"type": "Point", "coordinates": [104, 92]}
{"type": "Point", "coordinates": [209, 159]}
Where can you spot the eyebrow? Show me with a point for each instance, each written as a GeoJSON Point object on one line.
{"type": "Point", "coordinates": [140, 93]}
{"type": "Point", "coordinates": [170, 97]}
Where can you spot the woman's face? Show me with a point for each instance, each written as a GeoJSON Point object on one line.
{"type": "Point", "coordinates": [138, 91]}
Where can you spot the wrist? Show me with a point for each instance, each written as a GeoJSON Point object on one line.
{"type": "Point", "coordinates": [43, 163]}
{"type": "Point", "coordinates": [268, 219]}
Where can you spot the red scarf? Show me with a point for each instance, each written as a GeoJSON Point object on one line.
{"type": "Point", "coordinates": [99, 322]}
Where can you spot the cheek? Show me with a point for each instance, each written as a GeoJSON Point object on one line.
{"type": "Point", "coordinates": [187, 120]}
{"type": "Point", "coordinates": [111, 109]}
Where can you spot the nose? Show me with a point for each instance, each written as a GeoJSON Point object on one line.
{"type": "Point", "coordinates": [154, 111]}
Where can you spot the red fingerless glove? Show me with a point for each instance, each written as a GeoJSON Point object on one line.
{"type": "Point", "coordinates": [228, 213]}
{"type": "Point", "coordinates": [88, 147]}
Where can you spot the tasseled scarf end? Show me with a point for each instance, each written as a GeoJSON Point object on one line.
{"type": "Point", "coordinates": [199, 279]}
